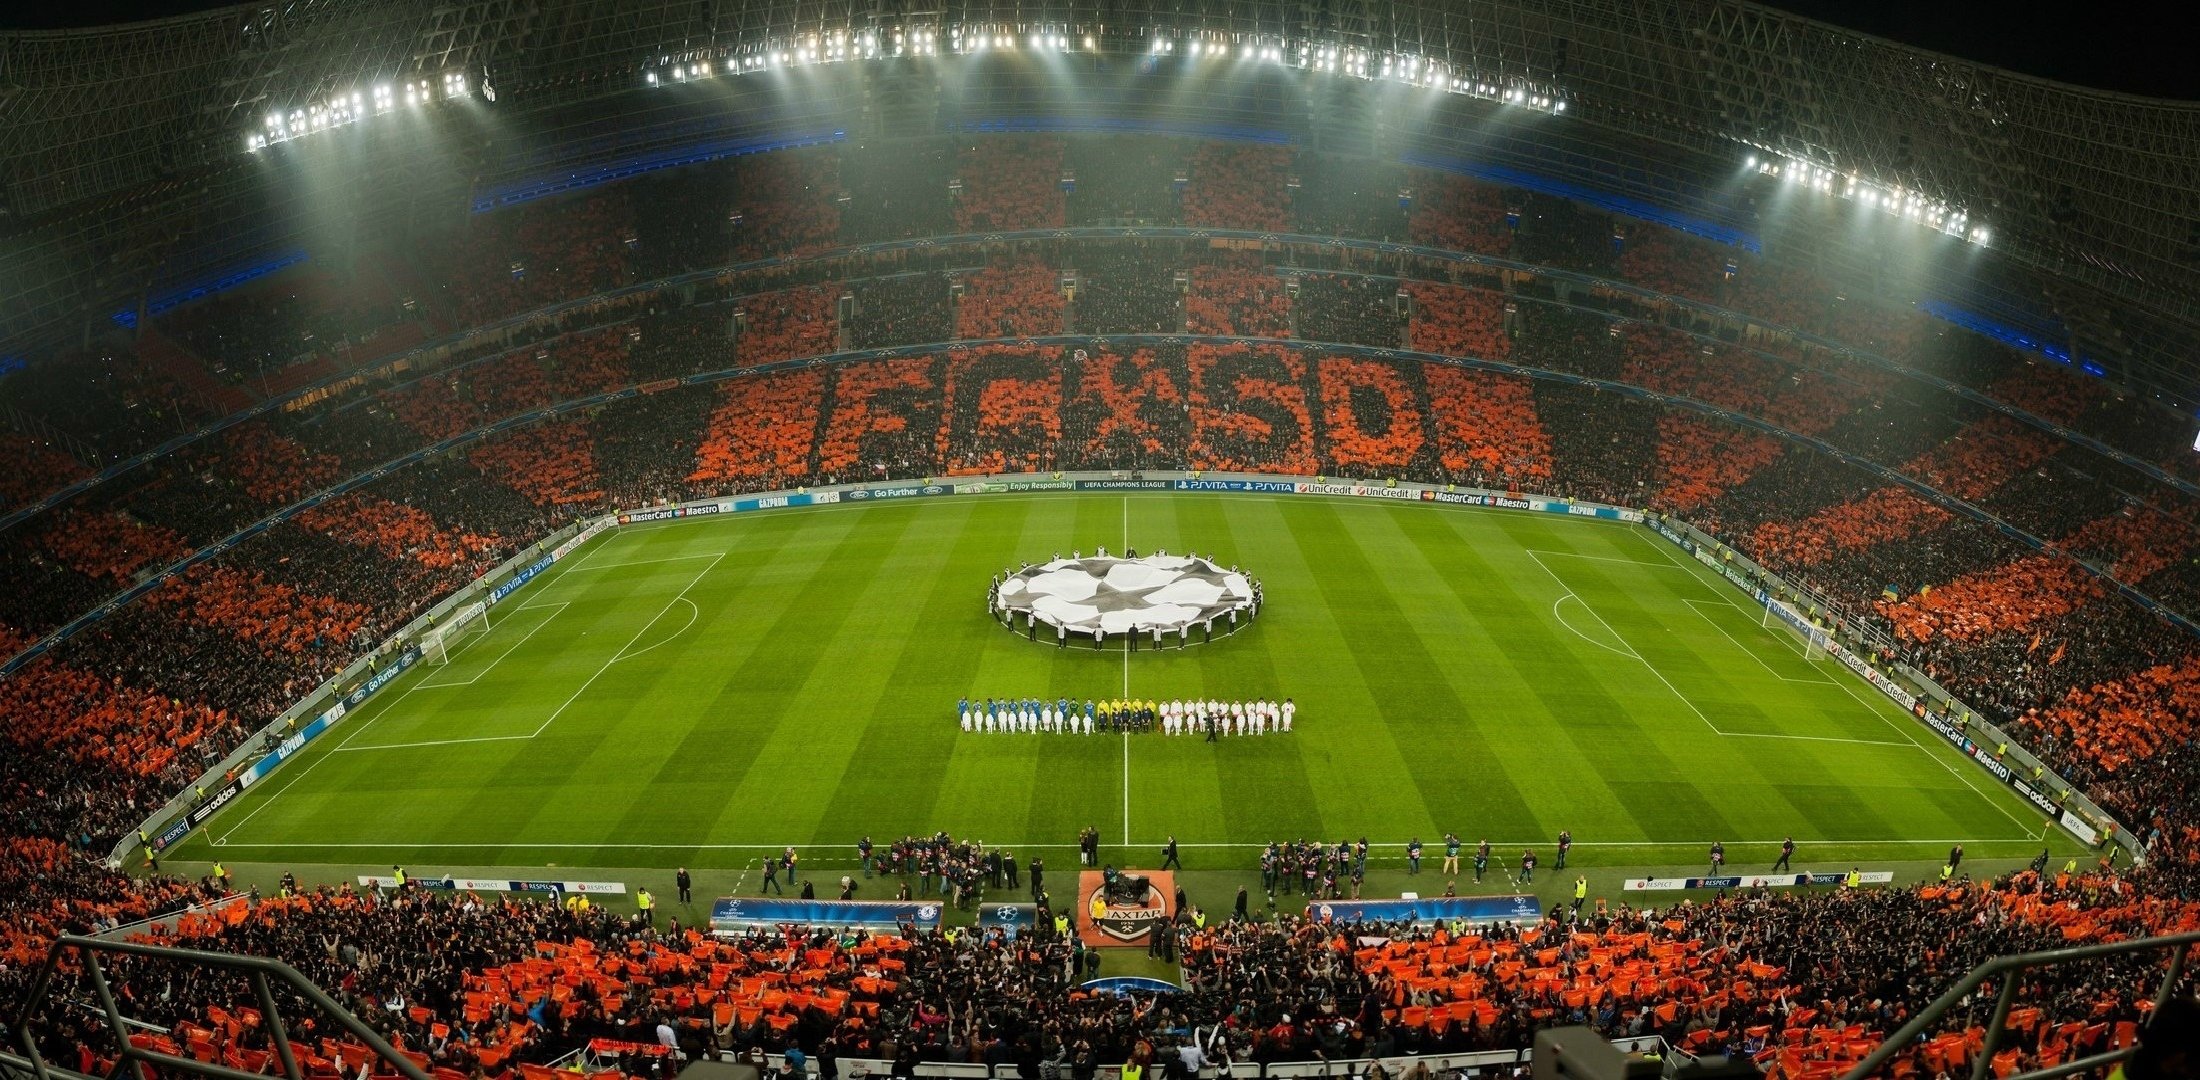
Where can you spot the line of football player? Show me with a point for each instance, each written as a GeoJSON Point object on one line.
{"type": "Point", "coordinates": [1063, 716]}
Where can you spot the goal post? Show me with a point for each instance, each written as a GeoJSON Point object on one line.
{"type": "Point", "coordinates": [439, 644]}
{"type": "Point", "coordinates": [1780, 615]}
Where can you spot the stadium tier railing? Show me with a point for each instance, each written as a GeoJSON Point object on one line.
{"type": "Point", "coordinates": [2009, 970]}
{"type": "Point", "coordinates": [73, 955]}
{"type": "Point", "coordinates": [156, 925]}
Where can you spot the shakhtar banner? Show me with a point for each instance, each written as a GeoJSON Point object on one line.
{"type": "Point", "coordinates": [1141, 902]}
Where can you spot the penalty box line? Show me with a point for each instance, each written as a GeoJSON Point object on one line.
{"type": "Point", "coordinates": [347, 747]}
{"type": "Point", "coordinates": [1668, 683]}
{"type": "Point", "coordinates": [1902, 727]}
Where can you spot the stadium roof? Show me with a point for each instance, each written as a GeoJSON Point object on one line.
{"type": "Point", "coordinates": [123, 147]}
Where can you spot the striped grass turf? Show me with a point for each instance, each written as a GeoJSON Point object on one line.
{"type": "Point", "coordinates": [699, 692]}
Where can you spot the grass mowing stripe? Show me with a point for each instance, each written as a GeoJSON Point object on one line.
{"type": "Point", "coordinates": [1595, 703]}
{"type": "Point", "coordinates": [1264, 788]}
{"type": "Point", "coordinates": [1390, 656]}
{"type": "Point", "coordinates": [935, 663]}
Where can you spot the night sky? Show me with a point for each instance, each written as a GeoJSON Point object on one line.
{"type": "Point", "coordinates": [2134, 48]}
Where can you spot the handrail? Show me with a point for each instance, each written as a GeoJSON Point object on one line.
{"type": "Point", "coordinates": [259, 970]}
{"type": "Point", "coordinates": [2176, 944]}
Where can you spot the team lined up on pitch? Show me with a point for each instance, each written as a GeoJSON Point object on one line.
{"type": "Point", "coordinates": [1062, 716]}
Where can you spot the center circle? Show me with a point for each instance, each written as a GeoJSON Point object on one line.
{"type": "Point", "coordinates": [1102, 596]}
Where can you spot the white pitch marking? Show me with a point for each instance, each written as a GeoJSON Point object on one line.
{"type": "Point", "coordinates": [431, 742]}
{"type": "Point", "coordinates": [1127, 687]}
{"type": "Point", "coordinates": [560, 606]}
{"type": "Point", "coordinates": [1627, 652]}
{"type": "Point", "coordinates": [621, 654]}
{"type": "Point", "coordinates": [1692, 602]}
{"type": "Point", "coordinates": [649, 562]}
{"type": "Point", "coordinates": [1901, 729]}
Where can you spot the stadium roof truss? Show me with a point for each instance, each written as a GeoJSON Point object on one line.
{"type": "Point", "coordinates": [117, 145]}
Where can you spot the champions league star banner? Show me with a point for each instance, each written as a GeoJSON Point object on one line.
{"type": "Point", "coordinates": [1440, 909]}
{"type": "Point", "coordinates": [741, 912]}
{"type": "Point", "coordinates": [1753, 881]}
{"type": "Point", "coordinates": [1169, 593]}
{"type": "Point", "coordinates": [1141, 902]}
{"type": "Point", "coordinates": [1016, 919]}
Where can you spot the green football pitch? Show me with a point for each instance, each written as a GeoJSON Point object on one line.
{"type": "Point", "coordinates": [699, 693]}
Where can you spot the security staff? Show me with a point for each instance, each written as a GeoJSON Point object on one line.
{"type": "Point", "coordinates": [1581, 892]}
{"type": "Point", "coordinates": [684, 883]}
{"type": "Point", "coordinates": [1787, 851]}
{"type": "Point", "coordinates": [648, 904]}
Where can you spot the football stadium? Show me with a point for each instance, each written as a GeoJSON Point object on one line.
{"type": "Point", "coordinates": [1418, 541]}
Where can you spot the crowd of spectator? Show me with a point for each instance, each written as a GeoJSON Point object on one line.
{"type": "Point", "coordinates": [761, 434]}
{"type": "Point", "coordinates": [883, 423]}
{"type": "Point", "coordinates": [1372, 423]}
{"type": "Point", "coordinates": [36, 469]}
{"type": "Point", "coordinates": [1671, 263]}
{"type": "Point", "coordinates": [1342, 196]}
{"type": "Point", "coordinates": [1126, 292]}
{"type": "Point", "coordinates": [1009, 184]}
{"type": "Point", "coordinates": [1019, 299]}
{"type": "Point", "coordinates": [1004, 411]}
{"type": "Point", "coordinates": [1453, 321]}
{"type": "Point", "coordinates": [1239, 187]}
{"type": "Point", "coordinates": [1556, 232]}
{"type": "Point", "coordinates": [1238, 299]}
{"type": "Point", "coordinates": [1349, 309]}
{"type": "Point", "coordinates": [2016, 596]}
{"type": "Point", "coordinates": [1983, 456]}
{"type": "Point", "coordinates": [786, 324]}
{"type": "Point", "coordinates": [1248, 409]}
{"type": "Point", "coordinates": [1457, 214]}
{"type": "Point", "coordinates": [906, 309]}
{"type": "Point", "coordinates": [1804, 983]}
{"type": "Point", "coordinates": [538, 253]}
{"type": "Point", "coordinates": [1487, 431]}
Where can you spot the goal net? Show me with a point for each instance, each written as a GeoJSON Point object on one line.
{"type": "Point", "coordinates": [438, 645]}
{"type": "Point", "coordinates": [1779, 615]}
